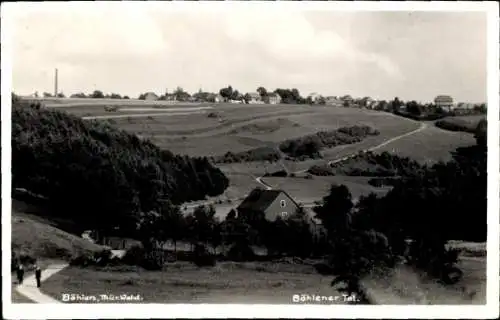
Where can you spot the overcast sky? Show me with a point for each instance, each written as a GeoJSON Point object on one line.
{"type": "Point", "coordinates": [379, 54]}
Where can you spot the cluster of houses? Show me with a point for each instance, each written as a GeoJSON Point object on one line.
{"type": "Point", "coordinates": [251, 98]}
{"type": "Point", "coordinates": [444, 102]}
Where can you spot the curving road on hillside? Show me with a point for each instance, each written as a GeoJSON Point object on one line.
{"type": "Point", "coordinates": [422, 127]}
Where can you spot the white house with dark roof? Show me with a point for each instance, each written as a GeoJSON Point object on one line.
{"type": "Point", "coordinates": [268, 204]}
{"type": "Point", "coordinates": [273, 98]}
{"type": "Point", "coordinates": [255, 98]}
{"type": "Point", "coordinates": [271, 204]}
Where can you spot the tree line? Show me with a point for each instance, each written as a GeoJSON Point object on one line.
{"type": "Point", "coordinates": [98, 175]}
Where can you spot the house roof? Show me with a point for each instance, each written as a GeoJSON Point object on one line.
{"type": "Point", "coordinates": [443, 98]}
{"type": "Point", "coordinates": [254, 95]}
{"type": "Point", "coordinates": [260, 200]}
{"type": "Point", "coordinates": [273, 94]}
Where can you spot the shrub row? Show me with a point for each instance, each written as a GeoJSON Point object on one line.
{"type": "Point", "coordinates": [311, 145]}
{"type": "Point", "coordinates": [257, 154]}
{"type": "Point", "coordinates": [454, 124]}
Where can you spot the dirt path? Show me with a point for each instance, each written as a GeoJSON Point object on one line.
{"type": "Point", "coordinates": [30, 290]}
{"type": "Point", "coordinates": [422, 127]}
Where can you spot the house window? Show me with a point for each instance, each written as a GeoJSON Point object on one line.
{"type": "Point", "coordinates": [283, 203]}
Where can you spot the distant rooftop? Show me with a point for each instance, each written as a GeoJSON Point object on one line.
{"type": "Point", "coordinates": [443, 98]}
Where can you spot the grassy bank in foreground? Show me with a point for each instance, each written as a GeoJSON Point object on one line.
{"type": "Point", "coordinates": [261, 283]}
{"type": "Point", "coordinates": [228, 282]}
{"type": "Point", "coordinates": [406, 287]}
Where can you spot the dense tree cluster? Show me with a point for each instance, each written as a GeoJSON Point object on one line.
{"type": "Point", "coordinates": [256, 154]}
{"type": "Point", "coordinates": [97, 94]}
{"type": "Point", "coordinates": [100, 175]}
{"type": "Point", "coordinates": [290, 96]}
{"type": "Point", "coordinates": [382, 164]}
{"type": "Point", "coordinates": [457, 124]}
{"type": "Point", "coordinates": [310, 145]}
{"type": "Point", "coordinates": [229, 93]}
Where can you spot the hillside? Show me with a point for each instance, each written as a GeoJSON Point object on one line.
{"type": "Point", "coordinates": [99, 175]}
{"type": "Point", "coordinates": [36, 237]}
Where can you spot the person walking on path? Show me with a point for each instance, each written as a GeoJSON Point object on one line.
{"type": "Point", "coordinates": [38, 275]}
{"type": "Point", "coordinates": [20, 274]}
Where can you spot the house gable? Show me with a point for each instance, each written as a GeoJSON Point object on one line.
{"type": "Point", "coordinates": [270, 203]}
{"type": "Point", "coordinates": [283, 206]}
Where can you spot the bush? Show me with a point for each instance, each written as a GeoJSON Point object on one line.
{"type": "Point", "coordinates": [101, 258]}
{"type": "Point", "coordinates": [324, 269]}
{"type": "Point", "coordinates": [202, 257]}
{"type": "Point", "coordinates": [17, 259]}
{"type": "Point", "coordinates": [138, 256]}
{"type": "Point", "coordinates": [382, 182]}
{"type": "Point", "coordinates": [320, 171]}
{"type": "Point", "coordinates": [281, 173]}
{"type": "Point", "coordinates": [257, 154]}
{"type": "Point", "coordinates": [110, 108]}
{"type": "Point", "coordinates": [240, 253]}
{"type": "Point", "coordinates": [134, 255]}
{"type": "Point", "coordinates": [454, 124]}
{"type": "Point", "coordinates": [82, 260]}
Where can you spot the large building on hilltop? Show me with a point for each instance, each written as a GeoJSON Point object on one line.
{"type": "Point", "coordinates": [445, 102]}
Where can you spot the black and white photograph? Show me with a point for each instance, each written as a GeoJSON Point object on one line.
{"type": "Point", "coordinates": [250, 159]}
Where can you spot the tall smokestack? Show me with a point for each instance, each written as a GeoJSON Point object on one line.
{"type": "Point", "coordinates": [55, 85]}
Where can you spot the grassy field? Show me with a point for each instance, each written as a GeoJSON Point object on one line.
{"type": "Point", "coordinates": [241, 127]}
{"type": "Point", "coordinates": [228, 282]}
{"type": "Point", "coordinates": [271, 283]}
{"type": "Point", "coordinates": [310, 190]}
{"type": "Point", "coordinates": [430, 145]}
